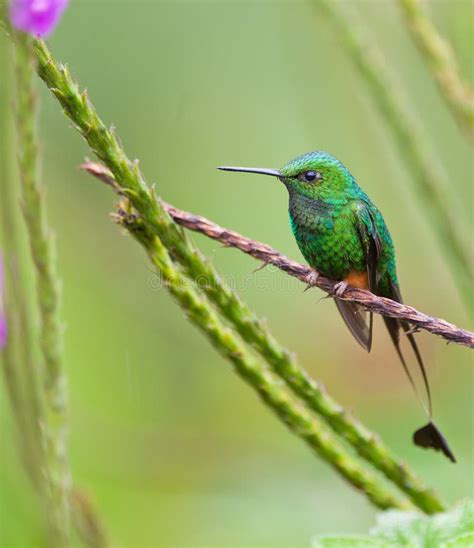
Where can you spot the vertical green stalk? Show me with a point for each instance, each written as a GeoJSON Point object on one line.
{"type": "Point", "coordinates": [426, 171]}
{"type": "Point", "coordinates": [18, 357]}
{"type": "Point", "coordinates": [441, 61]}
{"type": "Point", "coordinates": [54, 427]}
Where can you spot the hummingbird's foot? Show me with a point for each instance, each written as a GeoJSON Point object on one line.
{"type": "Point", "coordinates": [260, 267]}
{"type": "Point", "coordinates": [339, 288]}
{"type": "Point", "coordinates": [413, 329]}
{"type": "Point", "coordinates": [311, 279]}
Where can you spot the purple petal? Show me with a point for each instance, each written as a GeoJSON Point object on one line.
{"type": "Point", "coordinates": [38, 17]}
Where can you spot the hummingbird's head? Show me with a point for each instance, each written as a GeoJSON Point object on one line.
{"type": "Point", "coordinates": [317, 175]}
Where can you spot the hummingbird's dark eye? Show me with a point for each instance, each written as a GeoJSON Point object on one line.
{"type": "Point", "coordinates": [311, 176]}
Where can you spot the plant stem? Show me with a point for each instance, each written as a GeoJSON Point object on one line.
{"type": "Point", "coordinates": [22, 383]}
{"type": "Point", "coordinates": [54, 428]}
{"type": "Point", "coordinates": [439, 56]}
{"type": "Point", "coordinates": [86, 520]}
{"type": "Point", "coordinates": [18, 357]}
{"type": "Point", "coordinates": [254, 371]}
{"type": "Point", "coordinates": [427, 172]}
{"type": "Point", "coordinates": [151, 210]}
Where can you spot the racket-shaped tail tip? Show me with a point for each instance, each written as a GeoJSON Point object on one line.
{"type": "Point", "coordinates": [430, 436]}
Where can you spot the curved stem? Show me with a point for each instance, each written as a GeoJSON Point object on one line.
{"type": "Point", "coordinates": [253, 371]}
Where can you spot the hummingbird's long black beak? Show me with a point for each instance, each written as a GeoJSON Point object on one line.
{"type": "Point", "coordinates": [261, 171]}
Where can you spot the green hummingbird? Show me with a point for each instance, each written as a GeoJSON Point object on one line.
{"type": "Point", "coordinates": [343, 236]}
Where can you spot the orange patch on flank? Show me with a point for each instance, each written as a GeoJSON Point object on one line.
{"type": "Point", "coordinates": [357, 279]}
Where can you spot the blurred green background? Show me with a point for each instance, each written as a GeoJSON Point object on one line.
{"type": "Point", "coordinates": [171, 445]}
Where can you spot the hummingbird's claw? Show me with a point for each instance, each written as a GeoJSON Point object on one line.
{"type": "Point", "coordinates": [340, 287]}
{"type": "Point", "coordinates": [311, 279]}
{"type": "Point", "coordinates": [260, 267]}
{"type": "Point", "coordinates": [413, 329]}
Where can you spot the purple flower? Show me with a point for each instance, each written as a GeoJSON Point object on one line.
{"type": "Point", "coordinates": [38, 17]}
{"type": "Point", "coordinates": [3, 322]}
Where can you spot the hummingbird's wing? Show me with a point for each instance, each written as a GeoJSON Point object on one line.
{"type": "Point", "coordinates": [353, 314]}
{"type": "Point", "coordinates": [428, 435]}
{"type": "Point", "coordinates": [355, 319]}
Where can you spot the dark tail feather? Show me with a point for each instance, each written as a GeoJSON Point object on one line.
{"type": "Point", "coordinates": [421, 365]}
{"type": "Point", "coordinates": [393, 327]}
{"type": "Point", "coordinates": [430, 436]}
{"type": "Point", "coordinates": [355, 318]}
